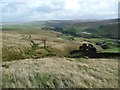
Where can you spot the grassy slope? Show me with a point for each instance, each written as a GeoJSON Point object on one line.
{"type": "Point", "coordinates": [54, 71]}
{"type": "Point", "coordinates": [114, 49]}
{"type": "Point", "coordinates": [107, 31]}
{"type": "Point", "coordinates": [61, 72]}
{"type": "Point", "coordinates": [16, 44]}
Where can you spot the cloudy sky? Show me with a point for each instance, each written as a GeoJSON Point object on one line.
{"type": "Point", "coordinates": [37, 10]}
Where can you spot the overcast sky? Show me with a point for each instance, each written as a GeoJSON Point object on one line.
{"type": "Point", "coordinates": [37, 10]}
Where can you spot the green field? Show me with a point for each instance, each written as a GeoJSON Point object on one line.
{"type": "Point", "coordinates": [113, 49]}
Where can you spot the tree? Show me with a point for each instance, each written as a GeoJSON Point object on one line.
{"type": "Point", "coordinates": [70, 30]}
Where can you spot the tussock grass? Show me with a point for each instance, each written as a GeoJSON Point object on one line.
{"type": "Point", "coordinates": [9, 54]}
{"type": "Point", "coordinates": [61, 72]}
{"type": "Point", "coordinates": [17, 45]}
{"type": "Point", "coordinates": [27, 67]}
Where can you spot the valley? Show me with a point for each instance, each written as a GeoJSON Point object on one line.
{"type": "Point", "coordinates": [35, 55]}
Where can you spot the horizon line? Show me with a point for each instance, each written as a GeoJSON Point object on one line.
{"type": "Point", "coordinates": [57, 20]}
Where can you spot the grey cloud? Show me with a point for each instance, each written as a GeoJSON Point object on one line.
{"type": "Point", "coordinates": [21, 11]}
{"type": "Point", "coordinates": [52, 7]}
{"type": "Point", "coordinates": [12, 7]}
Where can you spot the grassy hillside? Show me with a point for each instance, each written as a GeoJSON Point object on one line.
{"type": "Point", "coordinates": [106, 31]}
{"type": "Point", "coordinates": [87, 29]}
{"type": "Point", "coordinates": [35, 56]}
{"type": "Point", "coordinates": [76, 28]}
{"type": "Point", "coordinates": [60, 72]}
{"type": "Point", "coordinates": [17, 45]}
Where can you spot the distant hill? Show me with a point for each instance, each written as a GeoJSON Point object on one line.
{"type": "Point", "coordinates": [97, 23]}
{"type": "Point", "coordinates": [80, 23]}
{"type": "Point", "coordinates": [87, 29]}
{"type": "Point", "coordinates": [80, 28]}
{"type": "Point", "coordinates": [106, 31]}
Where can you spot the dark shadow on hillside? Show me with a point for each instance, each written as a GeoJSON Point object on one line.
{"type": "Point", "coordinates": [90, 51]}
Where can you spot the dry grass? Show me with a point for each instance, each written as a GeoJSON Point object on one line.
{"type": "Point", "coordinates": [53, 71]}
{"type": "Point", "coordinates": [61, 72]}
{"type": "Point", "coordinates": [16, 44]}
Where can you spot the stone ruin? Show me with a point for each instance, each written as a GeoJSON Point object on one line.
{"type": "Point", "coordinates": [90, 51]}
{"type": "Point", "coordinates": [87, 48]}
